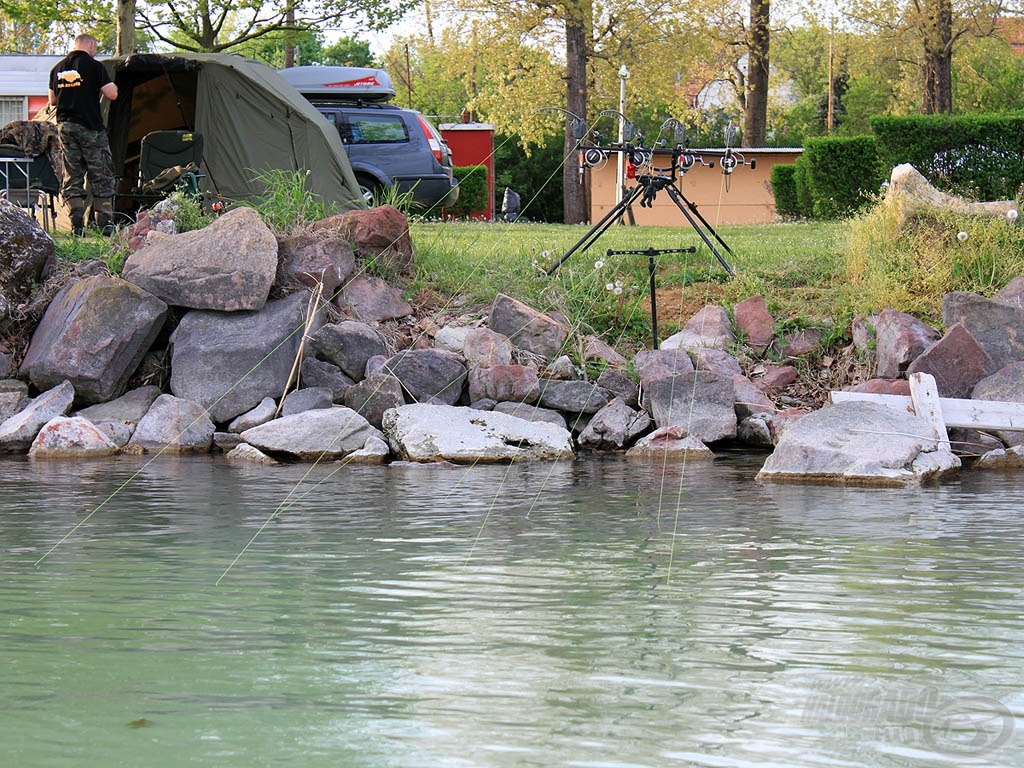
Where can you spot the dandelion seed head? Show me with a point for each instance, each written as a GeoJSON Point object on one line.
{"type": "Point", "coordinates": [618, 290]}
{"type": "Point", "coordinates": [961, 236]}
{"type": "Point", "coordinates": [1011, 215]}
{"type": "Point", "coordinates": [545, 254]}
{"type": "Point", "coordinates": [610, 287]}
{"type": "Point", "coordinates": [599, 264]}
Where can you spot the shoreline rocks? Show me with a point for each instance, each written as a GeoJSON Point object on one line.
{"type": "Point", "coordinates": [259, 375]}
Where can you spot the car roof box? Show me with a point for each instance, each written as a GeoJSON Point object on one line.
{"type": "Point", "coordinates": [351, 83]}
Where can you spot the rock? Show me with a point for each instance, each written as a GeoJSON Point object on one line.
{"type": "Point", "coordinates": [1008, 459]}
{"type": "Point", "coordinates": [504, 383]}
{"type": "Point", "coordinates": [372, 300]}
{"type": "Point", "coordinates": [956, 361]}
{"type": "Point", "coordinates": [18, 431]}
{"type": "Point", "coordinates": [899, 339]}
{"type": "Point", "coordinates": [320, 373]}
{"type": "Point", "coordinates": [669, 443]}
{"type": "Point", "coordinates": [26, 251]}
{"type": "Point", "coordinates": [716, 361]}
{"type": "Point", "coordinates": [862, 332]}
{"type": "Point", "coordinates": [225, 442]}
{"type": "Point", "coordinates": [374, 451]}
{"type": "Point", "coordinates": [429, 374]}
{"type": "Point", "coordinates": [595, 350]}
{"type": "Point", "coordinates": [228, 266]}
{"type": "Point", "coordinates": [422, 432]}
{"type": "Point", "coordinates": [972, 442]}
{"type": "Point", "coordinates": [308, 261]}
{"type": "Point", "coordinates": [379, 234]}
{"type": "Point", "coordinates": [484, 348]}
{"type": "Point", "coordinates": [800, 343]}
{"type": "Point", "coordinates": [909, 194]}
{"type": "Point", "coordinates": [860, 443]}
{"type": "Point", "coordinates": [1006, 385]}
{"type": "Point", "coordinates": [755, 323]}
{"type": "Point", "coordinates": [174, 425]}
{"type": "Point", "coordinates": [710, 327]}
{"type": "Point", "coordinates": [261, 414]}
{"type": "Point", "coordinates": [763, 430]}
{"type": "Point", "coordinates": [614, 427]}
{"type": "Point", "coordinates": [95, 332]}
{"type": "Point", "coordinates": [997, 326]}
{"type": "Point", "coordinates": [620, 385]}
{"type": "Point", "coordinates": [530, 413]}
{"type": "Point", "coordinates": [653, 364]}
{"type": "Point", "coordinates": [118, 418]}
{"type": "Point", "coordinates": [13, 397]}
{"type": "Point", "coordinates": [374, 395]}
{"type": "Point", "coordinates": [320, 435]}
{"type": "Point", "coordinates": [750, 399]}
{"type": "Point", "coordinates": [243, 453]}
{"type": "Point", "coordinates": [775, 378]}
{"type": "Point", "coordinates": [572, 396]}
{"type": "Point", "coordinates": [882, 387]}
{"type": "Point", "coordinates": [562, 368]}
{"type": "Point", "coordinates": [348, 345]}
{"type": "Point", "coordinates": [229, 362]}
{"type": "Point", "coordinates": [66, 437]}
{"type": "Point", "coordinates": [306, 399]}
{"type": "Point", "coordinates": [702, 403]}
{"type": "Point", "coordinates": [527, 328]}
{"type": "Point", "coordinates": [1012, 293]}
{"type": "Point", "coordinates": [452, 337]}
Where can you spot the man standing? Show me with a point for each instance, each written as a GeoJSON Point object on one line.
{"type": "Point", "coordinates": [76, 84]}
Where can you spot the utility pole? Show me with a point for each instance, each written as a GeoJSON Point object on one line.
{"type": "Point", "coordinates": [830, 120]}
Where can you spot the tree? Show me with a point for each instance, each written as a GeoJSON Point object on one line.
{"type": "Point", "coordinates": [755, 95]}
{"type": "Point", "coordinates": [220, 25]}
{"type": "Point", "coordinates": [347, 52]}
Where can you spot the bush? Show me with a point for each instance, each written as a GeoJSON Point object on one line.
{"type": "Point", "coordinates": [473, 192]}
{"type": "Point", "coordinates": [842, 174]}
{"type": "Point", "coordinates": [783, 182]}
{"type": "Point", "coordinates": [977, 156]}
{"type": "Point", "coordinates": [802, 188]}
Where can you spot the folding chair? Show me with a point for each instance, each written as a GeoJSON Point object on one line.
{"type": "Point", "coordinates": [29, 182]}
{"type": "Point", "coordinates": [161, 154]}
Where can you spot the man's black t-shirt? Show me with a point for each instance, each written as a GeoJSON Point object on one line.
{"type": "Point", "coordinates": [77, 80]}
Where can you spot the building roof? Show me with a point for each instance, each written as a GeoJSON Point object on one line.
{"type": "Point", "coordinates": [26, 75]}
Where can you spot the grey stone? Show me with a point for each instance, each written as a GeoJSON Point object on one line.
{"type": "Point", "coordinates": [669, 443]}
{"type": "Point", "coordinates": [310, 261]}
{"type": "Point", "coordinates": [174, 425]}
{"type": "Point", "coordinates": [323, 434]}
{"type": "Point", "coordinates": [527, 328]}
{"type": "Point", "coordinates": [130, 407]}
{"type": "Point", "coordinates": [429, 375]}
{"type": "Point", "coordinates": [320, 373]}
{"type": "Point", "coordinates": [702, 403]}
{"type": "Point", "coordinates": [484, 348]}
{"type": "Point", "coordinates": [899, 339]}
{"type": "Point", "coordinates": [710, 327]}
{"type": "Point", "coordinates": [18, 431]}
{"type": "Point", "coordinates": [372, 300]}
{"type": "Point", "coordinates": [348, 345]}
{"type": "Point", "coordinates": [261, 414]}
{"type": "Point", "coordinates": [25, 252]}
{"type": "Point", "coordinates": [573, 396]}
{"type": "Point", "coordinates": [504, 383]}
{"type": "Point", "coordinates": [372, 396]}
{"type": "Point", "coordinates": [306, 399]}
{"type": "Point", "coordinates": [620, 385]}
{"type": "Point", "coordinates": [530, 413]}
{"type": "Point", "coordinates": [614, 427]}
{"type": "Point", "coordinates": [653, 364]}
{"type": "Point", "coordinates": [64, 437]}
{"type": "Point", "coordinates": [998, 327]}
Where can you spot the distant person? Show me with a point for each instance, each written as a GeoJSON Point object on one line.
{"type": "Point", "coordinates": [76, 84]}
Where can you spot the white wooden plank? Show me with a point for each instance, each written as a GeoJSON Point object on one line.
{"type": "Point", "coordinates": [979, 414]}
{"type": "Point", "coordinates": [925, 395]}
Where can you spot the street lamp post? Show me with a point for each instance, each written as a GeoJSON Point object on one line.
{"type": "Point", "coordinates": [620, 167]}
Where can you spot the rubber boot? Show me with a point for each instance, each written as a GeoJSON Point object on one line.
{"type": "Point", "coordinates": [103, 213]}
{"type": "Point", "coordinates": [76, 206]}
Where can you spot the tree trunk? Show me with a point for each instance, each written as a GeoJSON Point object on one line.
{"type": "Point", "coordinates": [577, 56]}
{"type": "Point", "coordinates": [755, 112]}
{"type": "Point", "coordinates": [289, 38]}
{"type": "Point", "coordinates": [125, 28]}
{"type": "Point", "coordinates": [938, 59]}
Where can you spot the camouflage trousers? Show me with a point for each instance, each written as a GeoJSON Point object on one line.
{"type": "Point", "coordinates": [86, 158]}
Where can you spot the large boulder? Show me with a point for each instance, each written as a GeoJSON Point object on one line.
{"type": "Point", "coordinates": [527, 328]}
{"type": "Point", "coordinates": [572, 396]}
{"type": "Point", "coordinates": [956, 361]}
{"type": "Point", "coordinates": [423, 432]}
{"type": "Point", "coordinates": [997, 326]}
{"type": "Point", "coordinates": [309, 261]}
{"type": "Point", "coordinates": [229, 362]}
{"type": "Point", "coordinates": [504, 383]}
{"type": "Point", "coordinates": [317, 435]}
{"type": "Point", "coordinates": [348, 345]}
{"type": "Point", "coordinates": [859, 443]}
{"type": "Point", "coordinates": [18, 431]}
{"type": "Point", "coordinates": [174, 425]}
{"type": "Point", "coordinates": [373, 396]}
{"type": "Point", "coordinates": [25, 252]}
{"type": "Point", "coordinates": [701, 402]}
{"type": "Point", "coordinates": [94, 334]}
{"type": "Point", "coordinates": [614, 427]}
{"type": "Point", "coordinates": [379, 234]}
{"type": "Point", "coordinates": [899, 339]}
{"type": "Point", "coordinates": [228, 266]}
{"type": "Point", "coordinates": [1005, 385]}
{"type": "Point", "coordinates": [371, 299]}
{"type": "Point", "coordinates": [65, 437]}
{"type": "Point", "coordinates": [429, 375]}
{"type": "Point", "coordinates": [909, 194]}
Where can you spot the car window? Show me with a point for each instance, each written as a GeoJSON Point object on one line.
{"type": "Point", "coordinates": [376, 129]}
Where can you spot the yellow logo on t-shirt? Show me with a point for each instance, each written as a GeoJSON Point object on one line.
{"type": "Point", "coordinates": [69, 78]}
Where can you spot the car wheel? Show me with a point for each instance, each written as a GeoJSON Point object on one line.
{"type": "Point", "coordinates": [370, 189]}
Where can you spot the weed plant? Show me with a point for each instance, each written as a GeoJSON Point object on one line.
{"type": "Point", "coordinates": [286, 203]}
{"type": "Point", "coordinates": [911, 265]}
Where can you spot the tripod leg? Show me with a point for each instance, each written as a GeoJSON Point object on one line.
{"type": "Point", "coordinates": [600, 228]}
{"type": "Point", "coordinates": [678, 199]}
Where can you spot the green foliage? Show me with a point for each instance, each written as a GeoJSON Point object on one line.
{"type": "Point", "coordinates": [286, 203]}
{"type": "Point", "coordinates": [783, 181]}
{"type": "Point", "coordinates": [979, 156]}
{"type": "Point", "coordinates": [910, 265]}
{"type": "Point", "coordinates": [802, 187]}
{"type": "Point", "coordinates": [188, 212]}
{"type": "Point", "coordinates": [390, 195]}
{"type": "Point", "coordinates": [346, 52]}
{"type": "Point", "coordinates": [94, 247]}
{"type": "Point", "coordinates": [842, 174]}
{"type": "Point", "coordinates": [473, 192]}
{"type": "Point", "coordinates": [536, 176]}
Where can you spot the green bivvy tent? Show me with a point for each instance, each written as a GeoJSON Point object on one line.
{"type": "Point", "coordinates": [250, 119]}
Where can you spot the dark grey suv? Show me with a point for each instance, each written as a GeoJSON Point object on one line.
{"type": "Point", "coordinates": [387, 146]}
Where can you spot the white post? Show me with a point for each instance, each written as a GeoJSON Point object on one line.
{"type": "Point", "coordinates": [620, 167]}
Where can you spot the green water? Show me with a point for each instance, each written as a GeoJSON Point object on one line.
{"type": "Point", "coordinates": [594, 613]}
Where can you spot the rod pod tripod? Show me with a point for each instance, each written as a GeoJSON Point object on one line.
{"type": "Point", "coordinates": [646, 190]}
{"type": "Point", "coordinates": [650, 253]}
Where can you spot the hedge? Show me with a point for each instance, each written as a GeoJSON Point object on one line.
{"type": "Point", "coordinates": [843, 173]}
{"type": "Point", "coordinates": [980, 156]}
{"type": "Point", "coordinates": [473, 192]}
{"type": "Point", "coordinates": [783, 184]}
